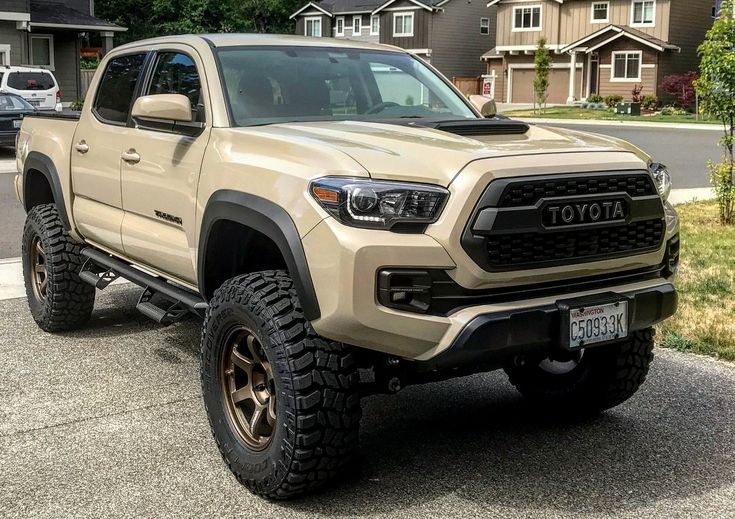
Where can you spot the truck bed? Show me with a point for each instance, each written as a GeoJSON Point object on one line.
{"type": "Point", "coordinates": [69, 115]}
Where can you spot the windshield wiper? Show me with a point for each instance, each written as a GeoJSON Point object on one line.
{"type": "Point", "coordinates": [411, 117]}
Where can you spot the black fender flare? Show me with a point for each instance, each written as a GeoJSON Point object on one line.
{"type": "Point", "coordinates": [269, 219]}
{"type": "Point", "coordinates": [42, 163]}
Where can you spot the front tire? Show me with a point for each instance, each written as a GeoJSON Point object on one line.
{"type": "Point", "coordinates": [282, 402]}
{"type": "Point", "coordinates": [58, 299]}
{"type": "Point", "coordinates": [601, 378]}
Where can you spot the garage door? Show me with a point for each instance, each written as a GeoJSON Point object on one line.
{"type": "Point", "coordinates": [523, 86]}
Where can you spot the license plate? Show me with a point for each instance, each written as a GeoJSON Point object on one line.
{"type": "Point", "coordinates": [597, 323]}
{"type": "Point", "coordinates": [17, 123]}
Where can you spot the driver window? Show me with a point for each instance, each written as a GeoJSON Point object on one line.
{"type": "Point", "coordinates": [176, 73]}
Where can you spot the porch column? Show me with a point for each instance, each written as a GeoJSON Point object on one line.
{"type": "Point", "coordinates": [572, 77]}
{"type": "Point", "coordinates": [107, 41]}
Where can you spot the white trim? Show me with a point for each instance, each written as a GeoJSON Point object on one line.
{"type": "Point", "coordinates": [483, 18]}
{"type": "Point", "coordinates": [5, 51]}
{"type": "Point", "coordinates": [393, 19]}
{"type": "Point", "coordinates": [592, 12]}
{"type": "Point", "coordinates": [79, 27]}
{"type": "Point", "coordinates": [372, 18]}
{"type": "Point", "coordinates": [336, 26]}
{"type": "Point", "coordinates": [308, 19]}
{"type": "Point", "coordinates": [383, 6]}
{"type": "Point", "coordinates": [613, 79]}
{"type": "Point", "coordinates": [402, 9]}
{"type": "Point", "coordinates": [15, 17]}
{"type": "Point", "coordinates": [50, 39]}
{"type": "Point", "coordinates": [652, 23]}
{"type": "Point", "coordinates": [357, 18]}
{"type": "Point", "coordinates": [532, 28]}
{"type": "Point", "coordinates": [625, 35]}
{"type": "Point", "coordinates": [494, 2]}
{"type": "Point", "coordinates": [420, 52]}
{"type": "Point", "coordinates": [310, 4]}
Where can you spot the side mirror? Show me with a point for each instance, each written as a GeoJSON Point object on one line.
{"type": "Point", "coordinates": [165, 113]}
{"type": "Point", "coordinates": [484, 105]}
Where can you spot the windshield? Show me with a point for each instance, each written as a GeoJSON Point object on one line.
{"type": "Point", "coordinates": [280, 84]}
{"type": "Point", "coordinates": [11, 103]}
{"type": "Point", "coordinates": [31, 81]}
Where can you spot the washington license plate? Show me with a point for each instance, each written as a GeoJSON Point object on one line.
{"type": "Point", "coordinates": [597, 323]}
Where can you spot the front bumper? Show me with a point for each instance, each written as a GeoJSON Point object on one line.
{"type": "Point", "coordinates": [498, 337]}
{"type": "Point", "coordinates": [7, 138]}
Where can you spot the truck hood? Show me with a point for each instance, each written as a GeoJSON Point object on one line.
{"type": "Point", "coordinates": [418, 154]}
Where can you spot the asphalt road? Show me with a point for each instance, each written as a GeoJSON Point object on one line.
{"type": "Point", "coordinates": [684, 151]}
{"type": "Point", "coordinates": [108, 421]}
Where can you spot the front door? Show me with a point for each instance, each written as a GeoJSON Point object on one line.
{"type": "Point", "coordinates": [95, 154]}
{"type": "Point", "coordinates": [594, 73]}
{"type": "Point", "coordinates": [160, 173]}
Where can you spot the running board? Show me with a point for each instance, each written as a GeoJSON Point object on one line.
{"type": "Point", "coordinates": [100, 269]}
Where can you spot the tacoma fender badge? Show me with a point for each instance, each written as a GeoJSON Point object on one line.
{"type": "Point", "coordinates": [168, 217]}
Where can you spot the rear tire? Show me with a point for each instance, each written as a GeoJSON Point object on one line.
{"type": "Point", "coordinates": [261, 358]}
{"type": "Point", "coordinates": [59, 300]}
{"type": "Point", "coordinates": [603, 378]}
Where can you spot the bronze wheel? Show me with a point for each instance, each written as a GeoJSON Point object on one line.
{"type": "Point", "coordinates": [38, 266]}
{"type": "Point", "coordinates": [249, 388]}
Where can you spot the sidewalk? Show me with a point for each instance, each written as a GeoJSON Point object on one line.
{"type": "Point", "coordinates": [629, 124]}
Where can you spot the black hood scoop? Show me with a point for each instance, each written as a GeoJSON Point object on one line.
{"type": "Point", "coordinates": [475, 127]}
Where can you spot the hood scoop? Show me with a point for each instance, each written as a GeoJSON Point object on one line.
{"type": "Point", "coordinates": [480, 127]}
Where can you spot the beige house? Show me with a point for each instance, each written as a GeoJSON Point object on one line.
{"type": "Point", "coordinates": [603, 47]}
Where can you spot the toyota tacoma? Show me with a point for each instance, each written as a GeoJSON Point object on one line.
{"type": "Point", "coordinates": [346, 223]}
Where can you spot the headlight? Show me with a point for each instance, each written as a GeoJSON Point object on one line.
{"type": "Point", "coordinates": [379, 205]}
{"type": "Point", "coordinates": [663, 179]}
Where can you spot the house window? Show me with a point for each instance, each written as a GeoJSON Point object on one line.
{"type": "Point", "coordinates": [644, 12]}
{"type": "Point", "coordinates": [403, 24]}
{"type": "Point", "coordinates": [4, 55]}
{"type": "Point", "coordinates": [626, 65]}
{"type": "Point", "coordinates": [42, 50]}
{"type": "Point", "coordinates": [340, 26]}
{"type": "Point", "coordinates": [527, 18]}
{"type": "Point", "coordinates": [356, 24]}
{"type": "Point", "coordinates": [313, 26]}
{"type": "Point", "coordinates": [600, 12]}
{"type": "Point", "coordinates": [374, 25]}
{"type": "Point", "coordinates": [484, 25]}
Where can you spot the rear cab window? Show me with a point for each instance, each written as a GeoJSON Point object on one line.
{"type": "Point", "coordinates": [116, 90]}
{"type": "Point", "coordinates": [31, 81]}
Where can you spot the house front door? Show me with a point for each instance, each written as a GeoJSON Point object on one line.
{"type": "Point", "coordinates": [594, 73]}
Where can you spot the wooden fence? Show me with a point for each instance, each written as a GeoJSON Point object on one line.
{"type": "Point", "coordinates": [85, 78]}
{"type": "Point", "coordinates": [468, 85]}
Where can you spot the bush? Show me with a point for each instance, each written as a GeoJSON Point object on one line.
{"type": "Point", "coordinates": [721, 175]}
{"type": "Point", "coordinates": [673, 110]}
{"type": "Point", "coordinates": [681, 88]}
{"type": "Point", "coordinates": [89, 63]}
{"type": "Point", "coordinates": [650, 102]}
{"type": "Point", "coordinates": [595, 99]}
{"type": "Point", "coordinates": [612, 100]}
{"type": "Point", "coordinates": [636, 94]}
{"type": "Point", "coordinates": [77, 105]}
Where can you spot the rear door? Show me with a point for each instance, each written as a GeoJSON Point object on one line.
{"type": "Point", "coordinates": [96, 149]}
{"type": "Point", "coordinates": [159, 184]}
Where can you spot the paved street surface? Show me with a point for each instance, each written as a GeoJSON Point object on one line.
{"type": "Point", "coordinates": [108, 421]}
{"type": "Point", "coordinates": [684, 151]}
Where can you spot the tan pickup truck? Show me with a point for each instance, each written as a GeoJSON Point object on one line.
{"type": "Point", "coordinates": [346, 223]}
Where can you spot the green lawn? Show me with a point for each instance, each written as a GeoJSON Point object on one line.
{"type": "Point", "coordinates": [705, 322]}
{"type": "Point", "coordinates": [571, 112]}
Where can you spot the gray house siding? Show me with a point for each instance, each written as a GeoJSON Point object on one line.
{"type": "Point", "coordinates": [421, 38]}
{"type": "Point", "coordinates": [66, 66]}
{"type": "Point", "coordinates": [10, 35]}
{"type": "Point", "coordinates": [15, 6]}
{"type": "Point", "coordinates": [457, 44]}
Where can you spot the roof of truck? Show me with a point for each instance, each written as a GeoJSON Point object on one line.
{"type": "Point", "coordinates": [244, 39]}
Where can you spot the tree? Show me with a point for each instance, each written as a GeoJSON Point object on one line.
{"type": "Point", "coordinates": [542, 65]}
{"type": "Point", "coordinates": [716, 90]}
{"type": "Point", "coordinates": [681, 88]}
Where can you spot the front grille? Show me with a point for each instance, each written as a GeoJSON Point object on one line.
{"type": "Point", "coordinates": [537, 249]}
{"type": "Point", "coordinates": [528, 193]}
{"type": "Point", "coordinates": [507, 230]}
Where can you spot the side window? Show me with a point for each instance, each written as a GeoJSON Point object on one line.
{"type": "Point", "coordinates": [176, 73]}
{"type": "Point", "coordinates": [116, 90]}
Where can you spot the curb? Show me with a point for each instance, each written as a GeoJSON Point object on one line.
{"type": "Point", "coordinates": [629, 124]}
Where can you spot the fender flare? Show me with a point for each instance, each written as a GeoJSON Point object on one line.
{"type": "Point", "coordinates": [269, 219]}
{"type": "Point", "coordinates": [42, 163]}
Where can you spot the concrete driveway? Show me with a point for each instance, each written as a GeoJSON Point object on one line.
{"type": "Point", "coordinates": [108, 421]}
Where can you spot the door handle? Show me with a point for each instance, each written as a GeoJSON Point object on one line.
{"type": "Point", "coordinates": [81, 147]}
{"type": "Point", "coordinates": [130, 156]}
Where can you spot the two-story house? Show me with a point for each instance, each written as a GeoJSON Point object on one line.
{"type": "Point", "coordinates": [604, 47]}
{"type": "Point", "coordinates": [450, 34]}
{"type": "Point", "coordinates": [47, 33]}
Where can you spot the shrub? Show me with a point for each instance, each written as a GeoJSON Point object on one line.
{"type": "Point", "coordinates": [721, 176]}
{"type": "Point", "coordinates": [77, 105]}
{"type": "Point", "coordinates": [681, 88]}
{"type": "Point", "coordinates": [595, 99]}
{"type": "Point", "coordinates": [89, 63]}
{"type": "Point", "coordinates": [612, 100]}
{"type": "Point", "coordinates": [637, 94]}
{"type": "Point", "coordinates": [673, 110]}
{"type": "Point", "coordinates": [650, 102]}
